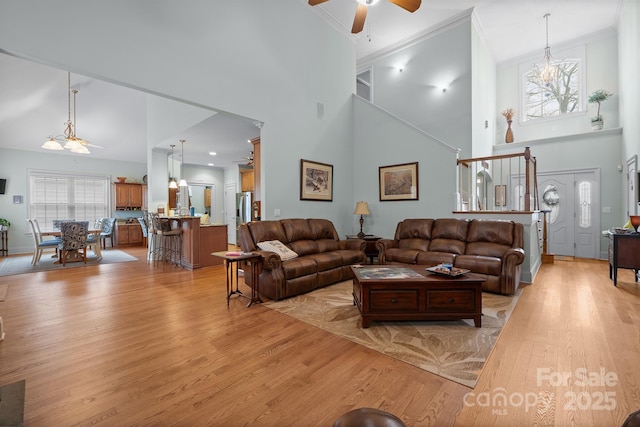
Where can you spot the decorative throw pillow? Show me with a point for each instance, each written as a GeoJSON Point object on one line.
{"type": "Point", "coordinates": [278, 247]}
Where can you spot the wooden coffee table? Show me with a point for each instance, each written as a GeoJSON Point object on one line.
{"type": "Point", "coordinates": [393, 293]}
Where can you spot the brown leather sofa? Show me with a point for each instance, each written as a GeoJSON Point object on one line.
{"type": "Point", "coordinates": [323, 259]}
{"type": "Point", "coordinates": [490, 248]}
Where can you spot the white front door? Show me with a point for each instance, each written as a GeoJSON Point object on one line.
{"type": "Point", "coordinates": [230, 211]}
{"type": "Point", "coordinates": [574, 218]}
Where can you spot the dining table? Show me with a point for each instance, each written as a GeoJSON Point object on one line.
{"type": "Point", "coordinates": [74, 256]}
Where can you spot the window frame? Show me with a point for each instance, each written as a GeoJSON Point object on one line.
{"type": "Point", "coordinates": [44, 220]}
{"type": "Point", "coordinates": [577, 53]}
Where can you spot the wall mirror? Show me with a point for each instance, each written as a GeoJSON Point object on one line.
{"type": "Point", "coordinates": [202, 197]}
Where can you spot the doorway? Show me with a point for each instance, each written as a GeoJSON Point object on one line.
{"type": "Point", "coordinates": [573, 202]}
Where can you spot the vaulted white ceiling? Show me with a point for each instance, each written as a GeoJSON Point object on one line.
{"type": "Point", "coordinates": [33, 104]}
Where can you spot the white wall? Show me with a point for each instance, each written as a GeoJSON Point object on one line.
{"type": "Point", "coordinates": [380, 139]}
{"type": "Point", "coordinates": [483, 94]}
{"type": "Point", "coordinates": [238, 57]}
{"type": "Point", "coordinates": [629, 45]}
{"type": "Point", "coordinates": [415, 95]}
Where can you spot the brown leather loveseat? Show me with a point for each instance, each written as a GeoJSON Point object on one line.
{"type": "Point", "coordinates": [490, 248]}
{"type": "Point", "coordinates": [321, 258]}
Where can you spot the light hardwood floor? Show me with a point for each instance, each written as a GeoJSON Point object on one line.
{"type": "Point", "coordinates": [131, 344]}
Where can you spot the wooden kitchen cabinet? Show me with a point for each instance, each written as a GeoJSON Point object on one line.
{"type": "Point", "coordinates": [129, 234]}
{"type": "Point", "coordinates": [247, 180]}
{"type": "Point", "coordinates": [145, 196]}
{"type": "Point", "coordinates": [173, 198]}
{"type": "Point", "coordinates": [257, 193]}
{"type": "Point", "coordinates": [128, 196]}
{"type": "Point", "coordinates": [624, 250]}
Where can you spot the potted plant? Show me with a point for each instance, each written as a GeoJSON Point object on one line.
{"type": "Point", "coordinates": [4, 224]}
{"type": "Point", "coordinates": [597, 97]}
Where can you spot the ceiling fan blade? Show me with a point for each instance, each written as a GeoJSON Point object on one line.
{"type": "Point", "coordinates": [315, 2]}
{"type": "Point", "coordinates": [358, 21]}
{"type": "Point", "coordinates": [410, 5]}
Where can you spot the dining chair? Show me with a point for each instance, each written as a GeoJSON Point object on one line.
{"type": "Point", "coordinates": [107, 231]}
{"type": "Point", "coordinates": [56, 223]}
{"type": "Point", "coordinates": [40, 244]}
{"type": "Point", "coordinates": [74, 239]}
{"type": "Point", "coordinates": [98, 223]}
{"type": "Point", "coordinates": [145, 230]}
{"type": "Point", "coordinates": [93, 239]}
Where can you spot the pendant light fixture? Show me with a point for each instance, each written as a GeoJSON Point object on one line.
{"type": "Point", "coordinates": [547, 71]}
{"type": "Point", "coordinates": [72, 142]}
{"type": "Point", "coordinates": [183, 182]}
{"type": "Point", "coordinates": [172, 181]}
{"type": "Point", "coordinates": [75, 144]}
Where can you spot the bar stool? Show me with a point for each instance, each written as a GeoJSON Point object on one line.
{"type": "Point", "coordinates": [150, 219]}
{"type": "Point", "coordinates": [169, 246]}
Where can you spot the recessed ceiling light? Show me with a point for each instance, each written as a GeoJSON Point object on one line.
{"type": "Point", "coordinates": [212, 153]}
{"type": "Point", "coordinates": [209, 164]}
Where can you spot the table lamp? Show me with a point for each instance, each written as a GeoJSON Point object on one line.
{"type": "Point", "coordinates": [361, 209]}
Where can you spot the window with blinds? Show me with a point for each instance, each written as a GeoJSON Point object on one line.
{"type": "Point", "coordinates": [66, 196]}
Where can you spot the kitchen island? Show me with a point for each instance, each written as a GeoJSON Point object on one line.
{"type": "Point", "coordinates": [199, 241]}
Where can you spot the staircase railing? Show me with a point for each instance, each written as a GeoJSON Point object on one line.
{"type": "Point", "coordinates": [505, 183]}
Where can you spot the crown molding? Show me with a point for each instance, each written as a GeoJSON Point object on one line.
{"type": "Point", "coordinates": [441, 27]}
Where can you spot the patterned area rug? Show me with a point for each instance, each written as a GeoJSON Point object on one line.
{"type": "Point", "coordinates": [455, 349]}
{"type": "Point", "coordinates": [22, 264]}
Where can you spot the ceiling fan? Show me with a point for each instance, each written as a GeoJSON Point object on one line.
{"type": "Point", "coordinates": [363, 5]}
{"type": "Point", "coordinates": [246, 160]}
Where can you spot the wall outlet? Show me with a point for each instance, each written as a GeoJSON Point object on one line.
{"type": "Point", "coordinates": [276, 212]}
{"type": "Point", "coordinates": [606, 209]}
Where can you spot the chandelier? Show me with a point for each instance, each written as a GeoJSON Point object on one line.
{"type": "Point", "coordinates": [71, 141]}
{"type": "Point", "coordinates": [548, 70]}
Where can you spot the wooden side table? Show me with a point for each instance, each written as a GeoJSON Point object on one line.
{"type": "Point", "coordinates": [624, 252]}
{"type": "Point", "coordinates": [370, 248]}
{"type": "Point", "coordinates": [231, 260]}
{"type": "Point", "coordinates": [4, 243]}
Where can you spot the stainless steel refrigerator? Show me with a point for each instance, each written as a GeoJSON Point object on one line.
{"type": "Point", "coordinates": [243, 209]}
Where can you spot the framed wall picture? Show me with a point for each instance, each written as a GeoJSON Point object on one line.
{"type": "Point", "coordinates": [399, 182]}
{"type": "Point", "coordinates": [316, 181]}
{"type": "Point", "coordinates": [501, 195]}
